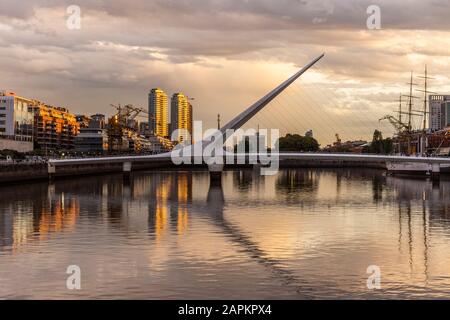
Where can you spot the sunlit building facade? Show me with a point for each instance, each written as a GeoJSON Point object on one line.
{"type": "Point", "coordinates": [181, 118]}
{"type": "Point", "coordinates": [16, 116]}
{"type": "Point", "coordinates": [158, 110]}
{"type": "Point", "coordinates": [437, 111]}
{"type": "Point", "coordinates": [16, 122]}
{"type": "Point", "coordinates": [55, 128]}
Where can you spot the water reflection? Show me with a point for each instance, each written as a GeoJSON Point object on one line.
{"type": "Point", "coordinates": [299, 234]}
{"type": "Point", "coordinates": [169, 197]}
{"type": "Point", "coordinates": [25, 219]}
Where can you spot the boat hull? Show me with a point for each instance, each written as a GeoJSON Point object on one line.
{"type": "Point", "coordinates": [414, 168]}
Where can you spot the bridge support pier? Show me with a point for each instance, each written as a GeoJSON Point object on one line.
{"type": "Point", "coordinates": [51, 171]}
{"type": "Point", "coordinates": [215, 174]}
{"type": "Point", "coordinates": [257, 168]}
{"type": "Point", "coordinates": [435, 172]}
{"type": "Point", "coordinates": [126, 170]}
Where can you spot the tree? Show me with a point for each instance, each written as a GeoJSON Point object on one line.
{"type": "Point", "coordinates": [296, 142]}
{"type": "Point", "coordinates": [379, 145]}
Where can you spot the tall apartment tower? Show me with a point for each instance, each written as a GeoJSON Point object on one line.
{"type": "Point", "coordinates": [158, 111]}
{"type": "Point", "coordinates": [437, 112]}
{"type": "Point", "coordinates": [181, 116]}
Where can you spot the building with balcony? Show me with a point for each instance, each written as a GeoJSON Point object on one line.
{"type": "Point", "coordinates": [181, 118]}
{"type": "Point", "coordinates": [158, 113]}
{"type": "Point", "coordinates": [55, 128]}
{"type": "Point", "coordinates": [83, 120]}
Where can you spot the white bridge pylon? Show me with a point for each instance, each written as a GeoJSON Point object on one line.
{"type": "Point", "coordinates": [250, 112]}
{"type": "Point", "coordinates": [245, 116]}
{"type": "Point", "coordinates": [235, 124]}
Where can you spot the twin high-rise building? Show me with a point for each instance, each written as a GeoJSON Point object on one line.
{"type": "Point", "coordinates": [158, 111]}
{"type": "Point", "coordinates": [180, 115]}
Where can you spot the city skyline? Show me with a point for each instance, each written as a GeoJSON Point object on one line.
{"type": "Point", "coordinates": [217, 158]}
{"type": "Point", "coordinates": [120, 50]}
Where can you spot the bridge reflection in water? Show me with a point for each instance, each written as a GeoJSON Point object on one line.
{"type": "Point", "coordinates": [299, 234]}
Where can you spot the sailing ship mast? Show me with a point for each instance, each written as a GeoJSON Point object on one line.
{"type": "Point", "coordinates": [410, 102]}
{"type": "Point", "coordinates": [425, 112]}
{"type": "Point", "coordinates": [425, 94]}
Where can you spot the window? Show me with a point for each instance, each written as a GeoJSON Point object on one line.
{"type": "Point", "coordinates": [2, 129]}
{"type": "Point", "coordinates": [2, 122]}
{"type": "Point", "coordinates": [2, 115]}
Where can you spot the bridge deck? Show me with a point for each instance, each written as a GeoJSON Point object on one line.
{"type": "Point", "coordinates": [166, 157]}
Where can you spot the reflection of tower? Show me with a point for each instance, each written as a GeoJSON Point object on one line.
{"type": "Point", "coordinates": [161, 210]}
{"type": "Point", "coordinates": [215, 210]}
{"type": "Point", "coordinates": [290, 181]}
{"type": "Point", "coordinates": [338, 183]}
{"type": "Point", "coordinates": [170, 196]}
{"type": "Point", "coordinates": [216, 201]}
{"type": "Point", "coordinates": [6, 228]}
{"type": "Point", "coordinates": [377, 188]}
{"type": "Point", "coordinates": [181, 197]}
{"type": "Point", "coordinates": [243, 179]}
{"type": "Point", "coordinates": [114, 206]}
{"type": "Point", "coordinates": [158, 202]}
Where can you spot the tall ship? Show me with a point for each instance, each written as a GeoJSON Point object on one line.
{"type": "Point", "coordinates": [432, 140]}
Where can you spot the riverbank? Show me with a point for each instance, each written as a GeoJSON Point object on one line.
{"type": "Point", "coordinates": [23, 172]}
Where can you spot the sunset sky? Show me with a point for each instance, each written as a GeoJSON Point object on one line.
{"type": "Point", "coordinates": [227, 54]}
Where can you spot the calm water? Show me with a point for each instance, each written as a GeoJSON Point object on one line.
{"type": "Point", "coordinates": [299, 234]}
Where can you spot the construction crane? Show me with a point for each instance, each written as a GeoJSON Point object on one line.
{"type": "Point", "coordinates": [122, 125]}
{"type": "Point", "coordinates": [396, 123]}
{"type": "Point", "coordinates": [338, 139]}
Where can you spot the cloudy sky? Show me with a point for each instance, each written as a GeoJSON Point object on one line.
{"type": "Point", "coordinates": [227, 54]}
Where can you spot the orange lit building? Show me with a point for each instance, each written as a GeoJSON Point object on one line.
{"type": "Point", "coordinates": [55, 128]}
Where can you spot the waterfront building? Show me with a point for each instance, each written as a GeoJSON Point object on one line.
{"type": "Point", "coordinates": [93, 138]}
{"type": "Point", "coordinates": [436, 115]}
{"type": "Point", "coordinates": [181, 117]}
{"type": "Point", "coordinates": [16, 122]}
{"type": "Point", "coordinates": [158, 113]}
{"type": "Point", "coordinates": [144, 129]}
{"type": "Point", "coordinates": [55, 128]}
{"type": "Point", "coordinates": [83, 120]}
{"type": "Point", "coordinates": [99, 119]}
{"type": "Point", "coordinates": [445, 114]}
